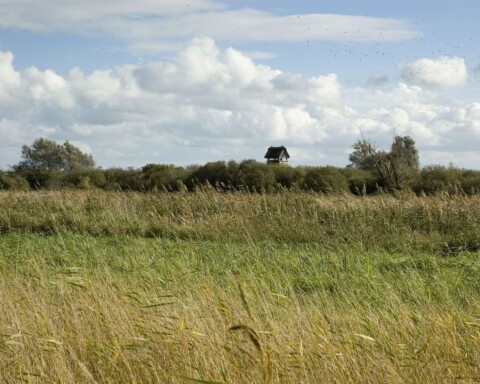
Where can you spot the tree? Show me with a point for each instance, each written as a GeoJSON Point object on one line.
{"type": "Point", "coordinates": [75, 159]}
{"type": "Point", "coordinates": [45, 162]}
{"type": "Point", "coordinates": [47, 155]}
{"type": "Point", "coordinates": [393, 169]}
{"type": "Point", "coordinates": [403, 148]}
{"type": "Point", "coordinates": [362, 155]}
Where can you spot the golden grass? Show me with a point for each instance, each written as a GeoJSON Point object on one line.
{"type": "Point", "coordinates": [225, 294]}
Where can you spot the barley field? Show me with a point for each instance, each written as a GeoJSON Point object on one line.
{"type": "Point", "coordinates": [209, 287]}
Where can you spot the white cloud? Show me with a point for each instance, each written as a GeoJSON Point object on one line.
{"type": "Point", "coordinates": [20, 90]}
{"type": "Point", "coordinates": [255, 25]}
{"type": "Point", "coordinates": [98, 87]}
{"type": "Point", "coordinates": [9, 78]}
{"type": "Point", "coordinates": [445, 72]}
{"type": "Point", "coordinates": [153, 26]}
{"type": "Point", "coordinates": [212, 104]}
{"type": "Point", "coordinates": [260, 55]}
{"type": "Point", "coordinates": [47, 87]}
{"type": "Point", "coordinates": [324, 90]}
{"type": "Point", "coordinates": [48, 15]}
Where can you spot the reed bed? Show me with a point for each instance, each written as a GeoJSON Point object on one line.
{"type": "Point", "coordinates": [441, 223]}
{"type": "Point", "coordinates": [101, 287]}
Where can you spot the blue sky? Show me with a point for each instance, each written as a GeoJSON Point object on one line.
{"type": "Point", "coordinates": [190, 81]}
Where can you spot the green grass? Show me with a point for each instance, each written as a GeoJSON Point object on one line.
{"type": "Point", "coordinates": [405, 223]}
{"type": "Point", "coordinates": [349, 296]}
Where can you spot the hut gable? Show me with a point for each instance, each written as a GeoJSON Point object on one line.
{"type": "Point", "coordinates": [277, 155]}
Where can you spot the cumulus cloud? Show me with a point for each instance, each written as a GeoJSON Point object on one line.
{"type": "Point", "coordinates": [445, 72]}
{"type": "Point", "coordinates": [211, 103]}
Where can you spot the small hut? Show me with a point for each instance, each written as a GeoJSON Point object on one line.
{"type": "Point", "coordinates": [277, 155]}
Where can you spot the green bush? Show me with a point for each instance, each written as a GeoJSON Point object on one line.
{"type": "Point", "coordinates": [162, 176]}
{"type": "Point", "coordinates": [129, 179]}
{"type": "Point", "coordinates": [287, 176]}
{"type": "Point", "coordinates": [85, 179]}
{"type": "Point", "coordinates": [213, 173]}
{"type": "Point", "coordinates": [470, 181]}
{"type": "Point", "coordinates": [325, 180]}
{"type": "Point", "coordinates": [436, 179]}
{"type": "Point", "coordinates": [12, 181]}
{"type": "Point", "coordinates": [257, 176]}
{"type": "Point", "coordinates": [360, 182]}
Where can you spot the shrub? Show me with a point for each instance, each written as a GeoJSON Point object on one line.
{"type": "Point", "coordinates": [257, 176]}
{"type": "Point", "coordinates": [129, 179]}
{"type": "Point", "coordinates": [162, 176]}
{"type": "Point", "coordinates": [470, 181]}
{"type": "Point", "coordinates": [325, 180]}
{"type": "Point", "coordinates": [287, 176]}
{"type": "Point", "coordinates": [13, 181]}
{"type": "Point", "coordinates": [85, 179]}
{"type": "Point", "coordinates": [437, 178]}
{"type": "Point", "coordinates": [360, 182]}
{"type": "Point", "coordinates": [214, 173]}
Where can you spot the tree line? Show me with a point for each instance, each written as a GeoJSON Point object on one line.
{"type": "Point", "coordinates": [46, 164]}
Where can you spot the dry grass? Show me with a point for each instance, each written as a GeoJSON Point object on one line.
{"type": "Point", "coordinates": [230, 292]}
{"type": "Point", "coordinates": [388, 222]}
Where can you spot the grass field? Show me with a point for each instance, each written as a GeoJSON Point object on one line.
{"type": "Point", "coordinates": [237, 288]}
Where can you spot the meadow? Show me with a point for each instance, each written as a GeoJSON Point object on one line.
{"type": "Point", "coordinates": [209, 287]}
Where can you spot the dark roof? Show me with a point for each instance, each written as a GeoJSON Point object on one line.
{"type": "Point", "coordinates": [276, 152]}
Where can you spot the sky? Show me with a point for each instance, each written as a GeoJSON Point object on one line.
{"type": "Point", "coordinates": [191, 81]}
